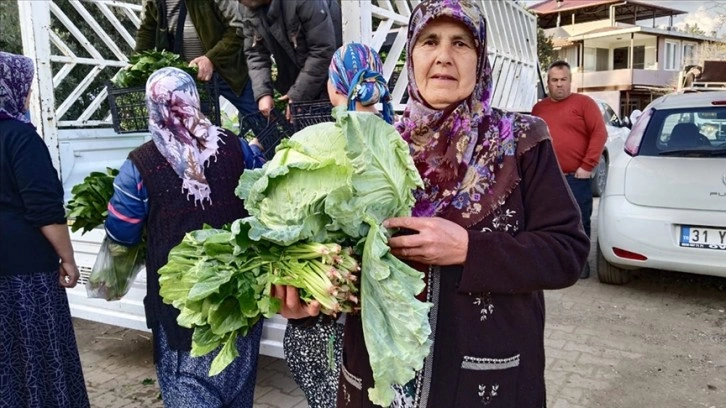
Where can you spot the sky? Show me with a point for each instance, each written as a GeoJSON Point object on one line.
{"type": "Point", "coordinates": [709, 15]}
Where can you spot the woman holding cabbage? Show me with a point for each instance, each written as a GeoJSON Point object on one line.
{"type": "Point", "coordinates": [313, 346]}
{"type": "Point", "coordinates": [493, 226]}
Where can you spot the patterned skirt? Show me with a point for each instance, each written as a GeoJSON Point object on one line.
{"type": "Point", "coordinates": [39, 362]}
{"type": "Point", "coordinates": [313, 355]}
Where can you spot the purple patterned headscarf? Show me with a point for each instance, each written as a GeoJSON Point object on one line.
{"type": "Point", "coordinates": [179, 129]}
{"type": "Point", "coordinates": [16, 77]}
{"type": "Point", "coordinates": [459, 151]}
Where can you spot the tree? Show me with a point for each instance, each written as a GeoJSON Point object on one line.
{"type": "Point", "coordinates": [10, 40]}
{"type": "Point", "coordinates": [545, 49]}
{"type": "Point", "coordinates": [692, 29]}
{"type": "Point", "coordinates": [712, 51]}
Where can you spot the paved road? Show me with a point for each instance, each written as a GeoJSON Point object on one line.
{"type": "Point", "coordinates": [658, 342]}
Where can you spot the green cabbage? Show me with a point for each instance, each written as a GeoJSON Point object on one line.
{"type": "Point", "coordinates": [346, 178]}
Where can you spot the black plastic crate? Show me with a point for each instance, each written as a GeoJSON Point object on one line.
{"type": "Point", "coordinates": [129, 113]}
{"type": "Point", "coordinates": [309, 113]}
{"type": "Point", "coordinates": [269, 131]}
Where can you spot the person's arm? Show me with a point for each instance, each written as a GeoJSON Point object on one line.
{"type": "Point", "coordinates": [146, 34]}
{"type": "Point", "coordinates": [42, 194]}
{"type": "Point", "coordinates": [128, 208]}
{"type": "Point", "coordinates": [550, 250]}
{"type": "Point", "coordinates": [252, 153]}
{"type": "Point", "coordinates": [259, 59]}
{"type": "Point", "coordinates": [232, 41]}
{"type": "Point", "coordinates": [597, 132]}
{"type": "Point", "coordinates": [60, 239]}
{"type": "Point", "coordinates": [319, 32]}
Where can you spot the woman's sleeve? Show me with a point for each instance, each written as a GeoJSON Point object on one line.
{"type": "Point", "coordinates": [38, 183]}
{"type": "Point", "coordinates": [254, 157]}
{"type": "Point", "coordinates": [552, 248]}
{"type": "Point", "coordinates": [128, 207]}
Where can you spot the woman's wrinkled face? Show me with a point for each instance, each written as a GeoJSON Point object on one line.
{"type": "Point", "coordinates": [444, 60]}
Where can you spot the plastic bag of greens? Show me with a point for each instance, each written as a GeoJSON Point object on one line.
{"type": "Point", "coordinates": [115, 269]}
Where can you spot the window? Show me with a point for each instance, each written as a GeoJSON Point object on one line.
{"type": "Point", "coordinates": [672, 59]}
{"type": "Point", "coordinates": [689, 53]}
{"type": "Point", "coordinates": [596, 59]}
{"type": "Point", "coordinates": [620, 58]}
{"type": "Point", "coordinates": [639, 57]}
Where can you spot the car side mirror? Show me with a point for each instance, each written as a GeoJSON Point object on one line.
{"type": "Point", "coordinates": [625, 122]}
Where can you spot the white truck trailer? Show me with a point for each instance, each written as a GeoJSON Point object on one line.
{"type": "Point", "coordinates": [95, 36]}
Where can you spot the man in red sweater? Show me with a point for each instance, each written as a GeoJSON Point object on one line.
{"type": "Point", "coordinates": [578, 136]}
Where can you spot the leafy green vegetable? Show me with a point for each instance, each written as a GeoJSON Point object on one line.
{"type": "Point", "coordinates": [115, 269]}
{"type": "Point", "coordinates": [222, 292]}
{"type": "Point", "coordinates": [145, 63]}
{"type": "Point", "coordinates": [347, 177]}
{"type": "Point", "coordinates": [88, 207]}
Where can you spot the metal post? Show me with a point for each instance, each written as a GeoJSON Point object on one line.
{"type": "Point", "coordinates": [357, 21]}
{"type": "Point", "coordinates": [35, 17]}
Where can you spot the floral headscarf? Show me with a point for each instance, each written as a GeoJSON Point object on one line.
{"type": "Point", "coordinates": [179, 129]}
{"type": "Point", "coordinates": [16, 77]}
{"type": "Point", "coordinates": [461, 151]}
{"type": "Point", "coordinates": [355, 71]}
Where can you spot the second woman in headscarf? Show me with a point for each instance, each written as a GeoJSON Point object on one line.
{"type": "Point", "coordinates": [313, 346]}
{"type": "Point", "coordinates": [183, 178]}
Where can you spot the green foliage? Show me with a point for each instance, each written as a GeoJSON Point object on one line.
{"type": "Point", "coordinates": [10, 40]}
{"type": "Point", "coordinates": [347, 177]}
{"type": "Point", "coordinates": [545, 49]}
{"type": "Point", "coordinates": [692, 29]}
{"type": "Point", "coordinates": [88, 207]}
{"type": "Point", "coordinates": [146, 63]}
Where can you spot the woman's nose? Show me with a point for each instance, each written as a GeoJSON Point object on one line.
{"type": "Point", "coordinates": [443, 54]}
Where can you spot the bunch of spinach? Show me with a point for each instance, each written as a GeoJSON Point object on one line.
{"type": "Point", "coordinates": [344, 179]}
{"type": "Point", "coordinates": [145, 63]}
{"type": "Point", "coordinates": [88, 207]}
{"type": "Point", "coordinates": [220, 282]}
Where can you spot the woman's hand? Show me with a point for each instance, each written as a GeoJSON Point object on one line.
{"type": "Point", "coordinates": [292, 306]}
{"type": "Point", "coordinates": [435, 241]}
{"type": "Point", "coordinates": [68, 274]}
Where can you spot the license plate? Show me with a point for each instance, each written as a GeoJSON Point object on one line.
{"type": "Point", "coordinates": [702, 237]}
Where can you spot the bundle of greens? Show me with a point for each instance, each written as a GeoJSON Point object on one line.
{"type": "Point", "coordinates": [116, 266]}
{"type": "Point", "coordinates": [115, 270]}
{"type": "Point", "coordinates": [87, 209]}
{"type": "Point", "coordinates": [145, 63]}
{"type": "Point", "coordinates": [344, 179]}
{"type": "Point", "coordinates": [220, 285]}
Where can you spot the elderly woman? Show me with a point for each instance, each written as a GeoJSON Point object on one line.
{"type": "Point", "coordinates": [313, 346]}
{"type": "Point", "coordinates": [494, 225]}
{"type": "Point", "coordinates": [183, 178]}
{"type": "Point", "coordinates": [39, 362]}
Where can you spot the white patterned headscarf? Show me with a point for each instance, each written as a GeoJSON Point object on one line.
{"type": "Point", "coordinates": [181, 132]}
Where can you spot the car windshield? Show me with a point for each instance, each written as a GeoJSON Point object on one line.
{"type": "Point", "coordinates": [687, 132]}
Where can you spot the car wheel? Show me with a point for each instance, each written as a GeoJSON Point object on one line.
{"type": "Point", "coordinates": [600, 177]}
{"type": "Point", "coordinates": [608, 273]}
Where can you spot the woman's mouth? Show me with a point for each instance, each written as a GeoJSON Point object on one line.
{"type": "Point", "coordinates": [443, 77]}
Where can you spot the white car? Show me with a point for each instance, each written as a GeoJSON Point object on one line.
{"type": "Point", "coordinates": [664, 205]}
{"type": "Point", "coordinates": [617, 132]}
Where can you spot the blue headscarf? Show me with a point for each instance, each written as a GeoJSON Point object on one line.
{"type": "Point", "coordinates": [355, 71]}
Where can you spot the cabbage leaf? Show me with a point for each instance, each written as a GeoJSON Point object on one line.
{"type": "Point", "coordinates": [348, 177]}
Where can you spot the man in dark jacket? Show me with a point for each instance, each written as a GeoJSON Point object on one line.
{"type": "Point", "coordinates": [301, 35]}
{"type": "Point", "coordinates": [208, 34]}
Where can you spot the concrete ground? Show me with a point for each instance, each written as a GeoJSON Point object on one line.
{"type": "Point", "coordinates": [658, 342]}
